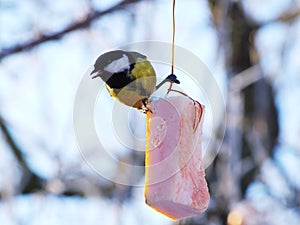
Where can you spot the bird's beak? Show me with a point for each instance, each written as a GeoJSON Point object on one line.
{"type": "Point", "coordinates": [96, 73]}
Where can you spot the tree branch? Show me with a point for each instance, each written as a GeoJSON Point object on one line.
{"type": "Point", "coordinates": [57, 35]}
{"type": "Point", "coordinates": [30, 181]}
{"type": "Point", "coordinates": [12, 144]}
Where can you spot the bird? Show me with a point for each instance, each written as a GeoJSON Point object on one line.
{"type": "Point", "coordinates": [129, 77]}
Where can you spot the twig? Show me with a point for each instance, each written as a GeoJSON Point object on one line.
{"type": "Point", "coordinates": [245, 78]}
{"type": "Point", "coordinates": [11, 142]}
{"type": "Point", "coordinates": [57, 35]}
{"type": "Point", "coordinates": [30, 181]}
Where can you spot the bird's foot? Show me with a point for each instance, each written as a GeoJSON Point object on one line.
{"type": "Point", "coordinates": [144, 108]}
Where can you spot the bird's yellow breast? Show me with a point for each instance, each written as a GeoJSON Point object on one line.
{"type": "Point", "coordinates": [142, 87]}
{"type": "Point", "coordinates": [142, 68]}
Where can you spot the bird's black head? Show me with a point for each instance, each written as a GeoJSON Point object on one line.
{"type": "Point", "coordinates": [114, 61]}
{"type": "Point", "coordinates": [105, 59]}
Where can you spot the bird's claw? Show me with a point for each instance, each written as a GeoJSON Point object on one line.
{"type": "Point", "coordinates": [144, 108]}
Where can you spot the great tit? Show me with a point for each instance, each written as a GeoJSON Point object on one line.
{"type": "Point", "coordinates": [129, 77]}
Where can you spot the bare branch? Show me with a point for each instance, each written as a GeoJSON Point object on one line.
{"type": "Point", "coordinates": [245, 78]}
{"type": "Point", "coordinates": [290, 15]}
{"type": "Point", "coordinates": [30, 181]}
{"type": "Point", "coordinates": [72, 27]}
{"type": "Point", "coordinates": [11, 142]}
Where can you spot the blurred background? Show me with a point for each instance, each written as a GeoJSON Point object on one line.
{"type": "Point", "coordinates": [250, 46]}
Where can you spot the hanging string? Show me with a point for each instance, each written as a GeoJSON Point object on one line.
{"type": "Point", "coordinates": [173, 40]}
{"type": "Point", "coordinates": [173, 52]}
{"type": "Point", "coordinates": [173, 36]}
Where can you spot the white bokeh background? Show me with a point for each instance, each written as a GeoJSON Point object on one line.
{"type": "Point", "coordinates": [38, 87]}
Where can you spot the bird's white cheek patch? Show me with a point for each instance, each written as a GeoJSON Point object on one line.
{"type": "Point", "coordinates": [118, 65]}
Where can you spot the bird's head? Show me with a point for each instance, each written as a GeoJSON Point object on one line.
{"type": "Point", "coordinates": [113, 62]}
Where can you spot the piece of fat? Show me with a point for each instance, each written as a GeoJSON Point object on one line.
{"type": "Point", "coordinates": [175, 182]}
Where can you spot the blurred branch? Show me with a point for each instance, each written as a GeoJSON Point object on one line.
{"type": "Point", "coordinates": [72, 27]}
{"type": "Point", "coordinates": [219, 10]}
{"type": "Point", "coordinates": [12, 144]}
{"type": "Point", "coordinates": [288, 17]}
{"type": "Point", "coordinates": [30, 181]}
{"type": "Point", "coordinates": [245, 78]}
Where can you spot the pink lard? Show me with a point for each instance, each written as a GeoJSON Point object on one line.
{"type": "Point", "coordinates": [175, 180]}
